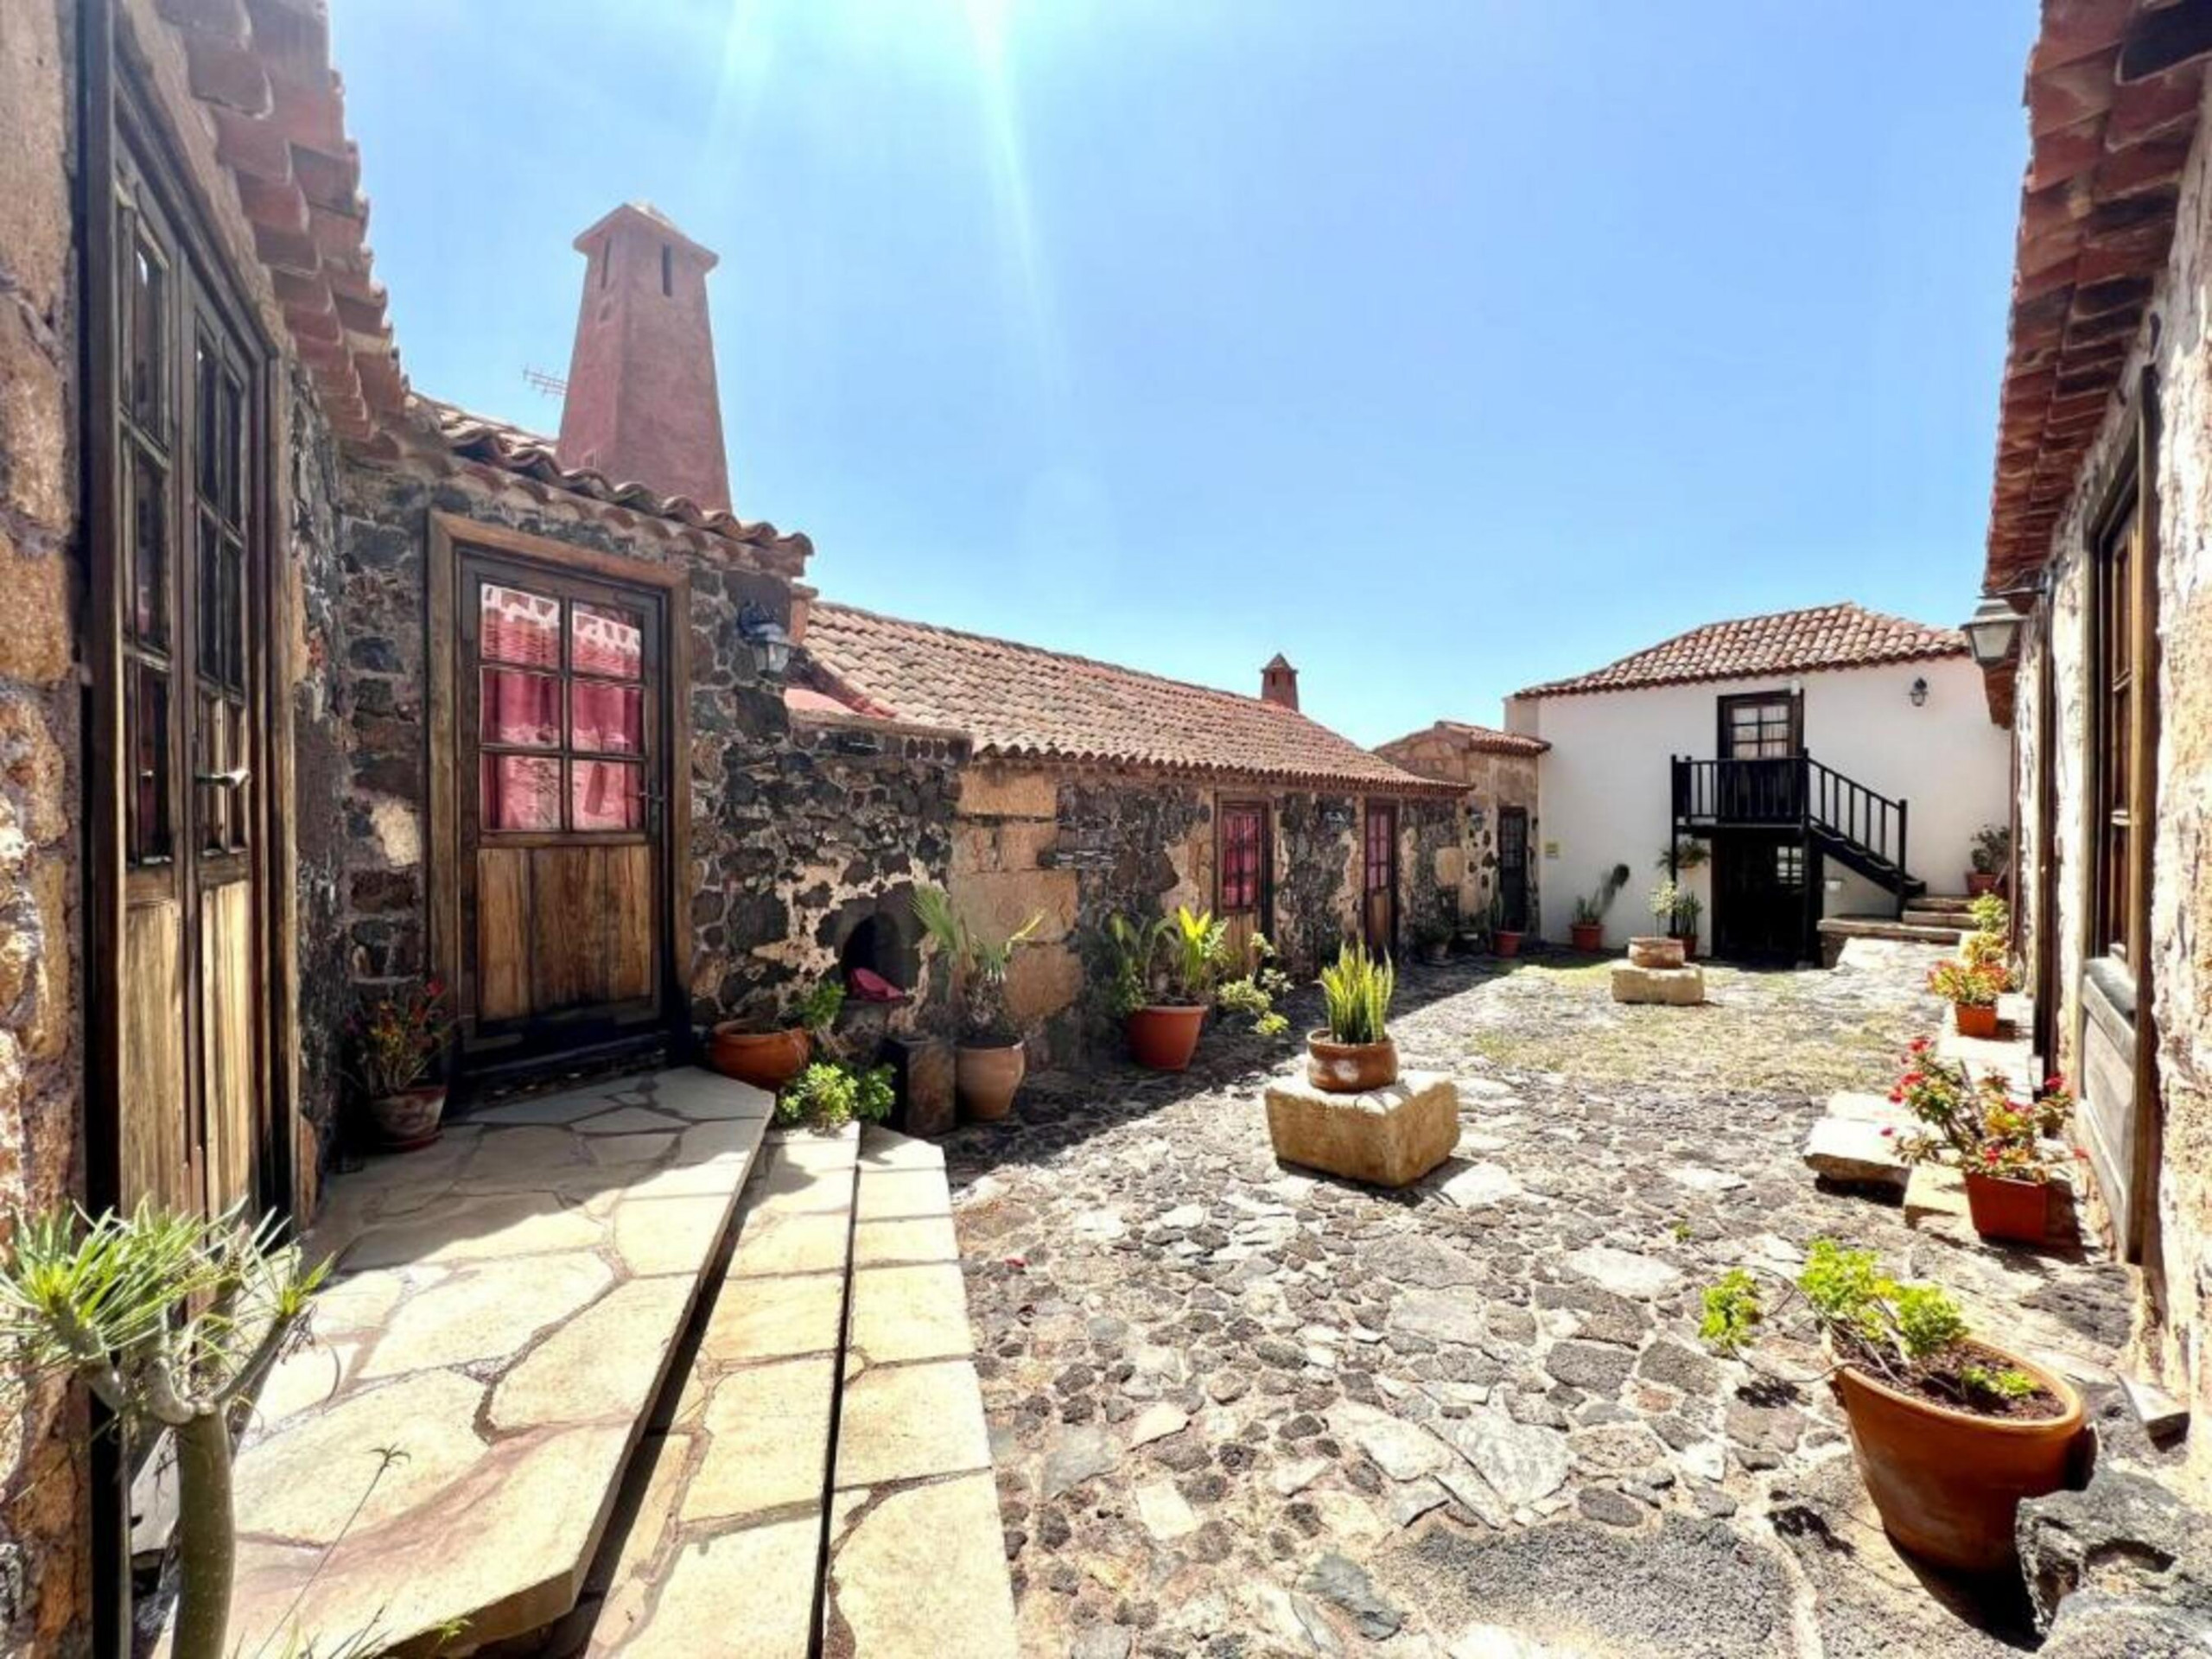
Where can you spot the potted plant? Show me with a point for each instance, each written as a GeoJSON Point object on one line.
{"type": "Point", "coordinates": [1432, 940]}
{"type": "Point", "coordinates": [1950, 1431]}
{"type": "Point", "coordinates": [1164, 978]}
{"type": "Point", "coordinates": [769, 1060]}
{"type": "Point", "coordinates": [1504, 941]}
{"type": "Point", "coordinates": [396, 1039]}
{"type": "Point", "coordinates": [1662, 949]}
{"type": "Point", "coordinates": [1972, 989]}
{"type": "Point", "coordinates": [989, 1062]}
{"type": "Point", "coordinates": [1992, 858]}
{"type": "Point", "coordinates": [2004, 1146]}
{"type": "Point", "coordinates": [830, 1094]}
{"type": "Point", "coordinates": [1587, 929]}
{"type": "Point", "coordinates": [1353, 1053]}
{"type": "Point", "coordinates": [1688, 907]}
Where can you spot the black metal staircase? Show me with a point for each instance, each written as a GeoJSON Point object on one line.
{"type": "Point", "coordinates": [1860, 828]}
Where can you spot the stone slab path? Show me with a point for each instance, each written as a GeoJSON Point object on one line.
{"type": "Point", "coordinates": [824, 1474]}
{"type": "Point", "coordinates": [504, 1309]}
{"type": "Point", "coordinates": [1236, 1410]}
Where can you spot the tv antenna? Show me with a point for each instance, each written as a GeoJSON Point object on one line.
{"type": "Point", "coordinates": [551, 385]}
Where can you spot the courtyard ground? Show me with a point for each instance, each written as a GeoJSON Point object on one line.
{"type": "Point", "coordinates": [1236, 1409]}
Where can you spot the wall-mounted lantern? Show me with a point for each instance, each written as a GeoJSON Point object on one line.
{"type": "Point", "coordinates": [771, 646]}
{"type": "Point", "coordinates": [1919, 691]}
{"type": "Point", "coordinates": [1991, 631]}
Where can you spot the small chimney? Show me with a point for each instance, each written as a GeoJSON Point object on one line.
{"type": "Point", "coordinates": [641, 404]}
{"type": "Point", "coordinates": [1279, 682]}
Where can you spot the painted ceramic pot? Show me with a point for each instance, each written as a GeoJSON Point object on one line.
{"type": "Point", "coordinates": [1348, 1068]}
{"type": "Point", "coordinates": [411, 1118]}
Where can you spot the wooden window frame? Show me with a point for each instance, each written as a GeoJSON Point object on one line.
{"type": "Point", "coordinates": [2112, 594]}
{"type": "Point", "coordinates": [1725, 706]}
{"type": "Point", "coordinates": [1264, 906]}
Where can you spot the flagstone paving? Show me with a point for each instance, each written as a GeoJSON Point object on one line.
{"type": "Point", "coordinates": [503, 1311]}
{"type": "Point", "coordinates": [1236, 1409]}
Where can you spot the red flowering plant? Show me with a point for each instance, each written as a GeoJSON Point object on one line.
{"type": "Point", "coordinates": [397, 1037]}
{"type": "Point", "coordinates": [1970, 985]}
{"type": "Point", "coordinates": [1979, 1122]}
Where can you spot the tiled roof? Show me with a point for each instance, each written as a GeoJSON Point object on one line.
{"type": "Point", "coordinates": [2113, 88]}
{"type": "Point", "coordinates": [1787, 642]}
{"type": "Point", "coordinates": [261, 69]}
{"type": "Point", "coordinates": [1023, 702]}
{"type": "Point", "coordinates": [1483, 739]}
{"type": "Point", "coordinates": [512, 449]}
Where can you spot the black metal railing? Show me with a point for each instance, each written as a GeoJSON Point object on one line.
{"type": "Point", "coordinates": [1796, 792]}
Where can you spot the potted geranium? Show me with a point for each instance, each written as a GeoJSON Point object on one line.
{"type": "Point", "coordinates": [1950, 1431]}
{"type": "Point", "coordinates": [396, 1039]}
{"type": "Point", "coordinates": [989, 1062]}
{"type": "Point", "coordinates": [1504, 941]}
{"type": "Point", "coordinates": [1587, 929]}
{"type": "Point", "coordinates": [771, 1057]}
{"type": "Point", "coordinates": [2003, 1145]}
{"type": "Point", "coordinates": [1991, 857]}
{"type": "Point", "coordinates": [1662, 949]}
{"type": "Point", "coordinates": [1972, 989]}
{"type": "Point", "coordinates": [1353, 1053]}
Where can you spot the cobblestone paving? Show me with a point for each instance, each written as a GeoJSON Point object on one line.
{"type": "Point", "coordinates": [1238, 1410]}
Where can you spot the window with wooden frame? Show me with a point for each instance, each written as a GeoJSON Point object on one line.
{"type": "Point", "coordinates": [1244, 846]}
{"type": "Point", "coordinates": [1759, 726]}
{"type": "Point", "coordinates": [1381, 864]}
{"type": "Point", "coordinates": [2113, 689]}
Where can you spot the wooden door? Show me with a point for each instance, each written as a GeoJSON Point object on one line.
{"type": "Point", "coordinates": [188, 431]}
{"type": "Point", "coordinates": [1379, 878]}
{"type": "Point", "coordinates": [1244, 872]}
{"type": "Point", "coordinates": [1759, 897]}
{"type": "Point", "coordinates": [1513, 866]}
{"type": "Point", "coordinates": [561, 763]}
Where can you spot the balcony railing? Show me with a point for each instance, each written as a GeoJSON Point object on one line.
{"type": "Point", "coordinates": [1864, 827]}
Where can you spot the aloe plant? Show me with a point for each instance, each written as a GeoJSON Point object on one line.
{"type": "Point", "coordinates": [1358, 991]}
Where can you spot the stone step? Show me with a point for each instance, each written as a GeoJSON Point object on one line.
{"type": "Point", "coordinates": [1920, 915]}
{"type": "Point", "coordinates": [505, 1309]}
{"type": "Point", "coordinates": [1856, 1151]}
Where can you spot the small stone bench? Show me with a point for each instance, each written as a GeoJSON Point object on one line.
{"type": "Point", "coordinates": [1676, 987]}
{"type": "Point", "coordinates": [1386, 1137]}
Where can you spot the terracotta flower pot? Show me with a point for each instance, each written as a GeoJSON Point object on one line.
{"type": "Point", "coordinates": [1656, 950]}
{"type": "Point", "coordinates": [1946, 1482]}
{"type": "Point", "coordinates": [1975, 1021]}
{"type": "Point", "coordinates": [1688, 942]}
{"type": "Point", "coordinates": [1163, 1037]}
{"type": "Point", "coordinates": [2018, 1210]}
{"type": "Point", "coordinates": [766, 1059]}
{"type": "Point", "coordinates": [1506, 942]}
{"type": "Point", "coordinates": [411, 1118]}
{"type": "Point", "coordinates": [1978, 882]}
{"type": "Point", "coordinates": [1348, 1068]}
{"type": "Point", "coordinates": [987, 1079]}
{"type": "Point", "coordinates": [1587, 936]}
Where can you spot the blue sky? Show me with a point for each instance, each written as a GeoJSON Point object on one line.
{"type": "Point", "coordinates": [1443, 344]}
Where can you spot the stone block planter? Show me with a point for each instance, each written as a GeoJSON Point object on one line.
{"type": "Point", "coordinates": [1655, 950]}
{"type": "Point", "coordinates": [1681, 986]}
{"type": "Point", "coordinates": [1390, 1136]}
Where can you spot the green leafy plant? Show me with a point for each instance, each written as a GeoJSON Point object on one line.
{"type": "Point", "coordinates": [1253, 996]}
{"type": "Point", "coordinates": [1688, 908]}
{"type": "Point", "coordinates": [1991, 914]}
{"type": "Point", "coordinates": [396, 1037]}
{"type": "Point", "coordinates": [1685, 854]}
{"type": "Point", "coordinates": [1906, 1334]}
{"type": "Point", "coordinates": [1134, 947]}
{"type": "Point", "coordinates": [1356, 991]}
{"type": "Point", "coordinates": [1992, 849]}
{"type": "Point", "coordinates": [1969, 984]}
{"type": "Point", "coordinates": [830, 1094]}
{"type": "Point", "coordinates": [171, 1321]}
{"type": "Point", "coordinates": [817, 1010]}
{"type": "Point", "coordinates": [1663, 901]}
{"type": "Point", "coordinates": [1196, 951]}
{"type": "Point", "coordinates": [1494, 914]}
{"type": "Point", "coordinates": [979, 965]}
{"type": "Point", "coordinates": [1985, 950]}
{"type": "Point", "coordinates": [1592, 909]}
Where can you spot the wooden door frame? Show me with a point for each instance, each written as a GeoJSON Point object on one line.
{"type": "Point", "coordinates": [1224, 805]}
{"type": "Point", "coordinates": [1723, 704]}
{"type": "Point", "coordinates": [1368, 807]}
{"type": "Point", "coordinates": [450, 534]}
{"type": "Point", "coordinates": [1520, 812]}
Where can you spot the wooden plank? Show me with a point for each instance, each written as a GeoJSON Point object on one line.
{"type": "Point", "coordinates": [567, 895]}
{"type": "Point", "coordinates": [503, 933]}
{"type": "Point", "coordinates": [154, 1134]}
{"type": "Point", "coordinates": [630, 903]}
{"type": "Point", "coordinates": [227, 1062]}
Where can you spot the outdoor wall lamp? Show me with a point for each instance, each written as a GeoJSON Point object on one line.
{"type": "Point", "coordinates": [771, 645]}
{"type": "Point", "coordinates": [1991, 631]}
{"type": "Point", "coordinates": [1919, 691]}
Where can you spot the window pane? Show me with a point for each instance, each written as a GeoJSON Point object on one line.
{"type": "Point", "coordinates": [520, 627]}
{"type": "Point", "coordinates": [523, 710]}
{"type": "Point", "coordinates": [231, 426]}
{"type": "Point", "coordinates": [211, 746]}
{"type": "Point", "coordinates": [150, 543]}
{"type": "Point", "coordinates": [521, 792]}
{"type": "Point", "coordinates": [241, 753]}
{"type": "Point", "coordinates": [610, 719]}
{"type": "Point", "coordinates": [149, 796]}
{"type": "Point", "coordinates": [207, 431]}
{"type": "Point", "coordinates": [606, 795]}
{"type": "Point", "coordinates": [146, 305]}
{"type": "Point", "coordinates": [604, 640]}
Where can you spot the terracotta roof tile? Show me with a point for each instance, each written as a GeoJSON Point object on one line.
{"type": "Point", "coordinates": [2113, 89]}
{"type": "Point", "coordinates": [1787, 642]}
{"type": "Point", "coordinates": [1023, 702]}
{"type": "Point", "coordinates": [1483, 739]}
{"type": "Point", "coordinates": [512, 449]}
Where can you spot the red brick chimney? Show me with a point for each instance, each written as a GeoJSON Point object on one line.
{"type": "Point", "coordinates": [641, 405]}
{"type": "Point", "coordinates": [1279, 682]}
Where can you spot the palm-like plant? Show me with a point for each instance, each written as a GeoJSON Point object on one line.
{"type": "Point", "coordinates": [979, 963]}
{"type": "Point", "coordinates": [1358, 990]}
{"type": "Point", "coordinates": [172, 1321]}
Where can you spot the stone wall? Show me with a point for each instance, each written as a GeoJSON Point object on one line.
{"type": "Point", "coordinates": [1491, 780]}
{"type": "Point", "coordinates": [44, 1579]}
{"type": "Point", "coordinates": [2175, 1325]}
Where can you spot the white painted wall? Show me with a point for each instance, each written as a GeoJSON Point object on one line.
{"type": "Point", "coordinates": [1603, 784]}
